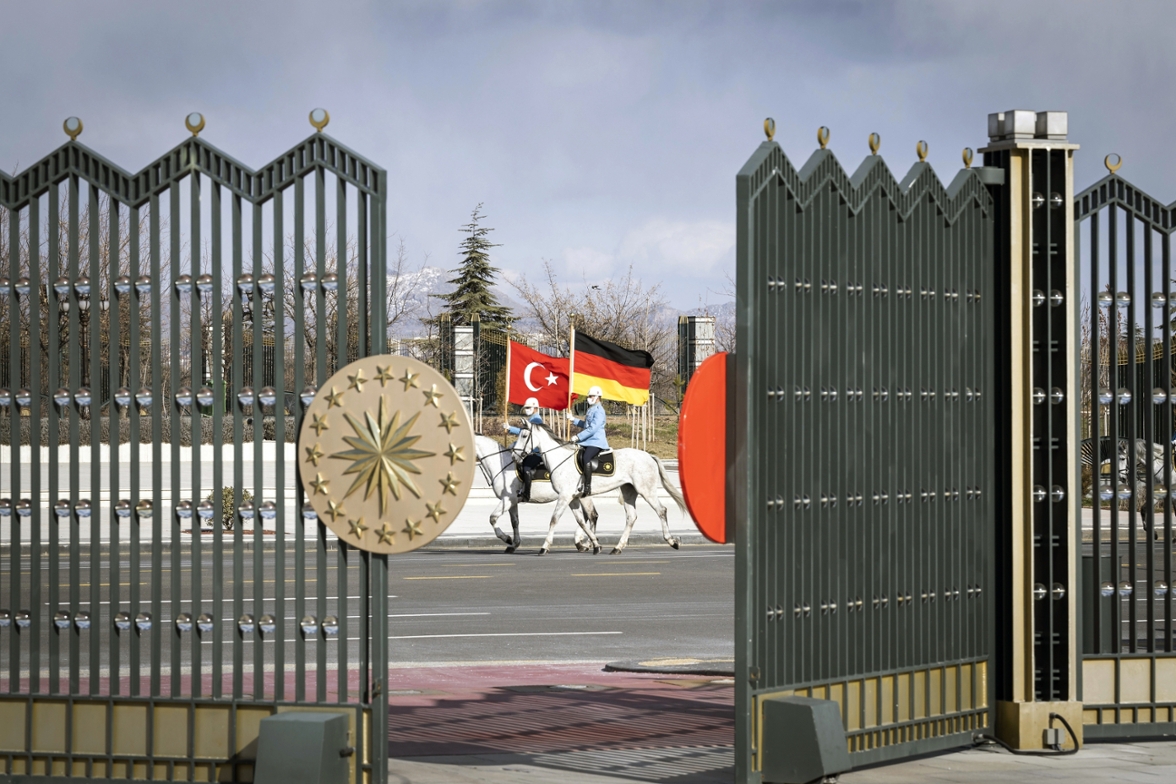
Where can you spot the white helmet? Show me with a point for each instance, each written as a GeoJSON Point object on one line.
{"type": "Point", "coordinates": [595, 392]}
{"type": "Point", "coordinates": [532, 402]}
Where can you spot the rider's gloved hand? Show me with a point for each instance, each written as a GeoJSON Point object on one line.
{"type": "Point", "coordinates": [571, 417]}
{"type": "Point", "coordinates": [575, 438]}
{"type": "Point", "coordinates": [506, 427]}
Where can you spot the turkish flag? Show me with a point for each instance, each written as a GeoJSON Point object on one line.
{"type": "Point", "coordinates": [532, 374]}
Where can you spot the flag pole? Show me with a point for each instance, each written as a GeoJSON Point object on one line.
{"type": "Point", "coordinates": [506, 392]}
{"type": "Point", "coordinates": [571, 371]}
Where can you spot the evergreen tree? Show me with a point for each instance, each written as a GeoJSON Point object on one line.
{"type": "Point", "coordinates": [472, 294]}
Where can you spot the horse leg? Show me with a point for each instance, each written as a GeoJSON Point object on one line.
{"type": "Point", "coordinates": [652, 499]}
{"type": "Point", "coordinates": [578, 537]}
{"type": "Point", "coordinates": [561, 504]}
{"type": "Point", "coordinates": [497, 513]}
{"type": "Point", "coordinates": [582, 523]}
{"type": "Point", "coordinates": [514, 521]}
{"type": "Point", "coordinates": [629, 499]}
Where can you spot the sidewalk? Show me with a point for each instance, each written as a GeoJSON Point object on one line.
{"type": "Point", "coordinates": [572, 723]}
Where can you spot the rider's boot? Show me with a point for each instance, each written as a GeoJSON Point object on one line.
{"type": "Point", "coordinates": [587, 484]}
{"type": "Point", "coordinates": [525, 493]}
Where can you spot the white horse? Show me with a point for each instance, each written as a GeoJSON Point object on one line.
{"type": "Point", "coordinates": [498, 466]}
{"type": "Point", "coordinates": [637, 474]}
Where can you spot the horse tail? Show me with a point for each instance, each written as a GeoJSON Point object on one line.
{"type": "Point", "coordinates": [674, 492]}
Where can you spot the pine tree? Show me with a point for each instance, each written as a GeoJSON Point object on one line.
{"type": "Point", "coordinates": [472, 294]}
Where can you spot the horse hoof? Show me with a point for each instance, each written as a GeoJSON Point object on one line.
{"type": "Point", "coordinates": [510, 549]}
{"type": "Point", "coordinates": [581, 546]}
{"type": "Point", "coordinates": [596, 550]}
{"type": "Point", "coordinates": [616, 551]}
{"type": "Point", "coordinates": [675, 544]}
{"type": "Point", "coordinates": [542, 551]}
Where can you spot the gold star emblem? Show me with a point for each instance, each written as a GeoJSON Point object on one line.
{"type": "Point", "coordinates": [319, 484]}
{"type": "Point", "coordinates": [357, 528]}
{"type": "Point", "coordinates": [454, 454]}
{"type": "Point", "coordinates": [432, 396]}
{"type": "Point", "coordinates": [381, 455]}
{"type": "Point", "coordinates": [435, 511]}
{"type": "Point", "coordinates": [449, 484]}
{"type": "Point", "coordinates": [409, 378]}
{"type": "Point", "coordinates": [334, 399]}
{"type": "Point", "coordinates": [449, 421]}
{"type": "Point", "coordinates": [334, 510]}
{"type": "Point", "coordinates": [357, 381]}
{"type": "Point", "coordinates": [383, 375]}
{"type": "Point", "coordinates": [386, 534]}
{"type": "Point", "coordinates": [318, 424]}
{"type": "Point", "coordinates": [412, 529]}
{"type": "Point", "coordinates": [314, 454]}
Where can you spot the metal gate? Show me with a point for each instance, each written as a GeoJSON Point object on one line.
{"type": "Point", "coordinates": [865, 468]}
{"type": "Point", "coordinates": [1128, 661]}
{"type": "Point", "coordinates": [140, 635]}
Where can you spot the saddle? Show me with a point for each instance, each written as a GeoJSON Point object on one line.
{"type": "Point", "coordinates": [539, 473]}
{"type": "Point", "coordinates": [603, 464]}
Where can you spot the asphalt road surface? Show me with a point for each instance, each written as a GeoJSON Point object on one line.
{"type": "Point", "coordinates": [445, 606]}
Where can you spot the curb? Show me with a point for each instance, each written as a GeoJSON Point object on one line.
{"type": "Point", "coordinates": [704, 667]}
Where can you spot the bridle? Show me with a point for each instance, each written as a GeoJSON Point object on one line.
{"type": "Point", "coordinates": [530, 447]}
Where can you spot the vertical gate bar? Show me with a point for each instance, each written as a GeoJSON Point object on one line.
{"type": "Point", "coordinates": [158, 406]}
{"type": "Point", "coordinates": [114, 439]}
{"type": "Point", "coordinates": [74, 383]}
{"type": "Point", "coordinates": [1147, 405]}
{"type": "Point", "coordinates": [196, 355]}
{"type": "Point", "coordinates": [379, 245]}
{"type": "Point", "coordinates": [1166, 271]}
{"type": "Point", "coordinates": [301, 641]}
{"type": "Point", "coordinates": [35, 437]}
{"type": "Point", "coordinates": [379, 751]}
{"type": "Point", "coordinates": [216, 350]}
{"type": "Point", "coordinates": [53, 229]}
{"type": "Point", "coordinates": [239, 381]}
{"type": "Point", "coordinates": [1043, 470]}
{"type": "Point", "coordinates": [176, 381]}
{"type": "Point", "coordinates": [257, 358]}
{"type": "Point", "coordinates": [361, 269]}
{"type": "Point", "coordinates": [1134, 508]}
{"type": "Point", "coordinates": [280, 543]}
{"type": "Point", "coordinates": [134, 413]}
{"type": "Point", "coordinates": [343, 352]}
{"type": "Point", "coordinates": [320, 319]}
{"type": "Point", "coordinates": [364, 686]}
{"type": "Point", "coordinates": [93, 412]}
{"type": "Point", "coordinates": [1093, 592]}
{"type": "Point", "coordinates": [14, 382]}
{"type": "Point", "coordinates": [1113, 383]}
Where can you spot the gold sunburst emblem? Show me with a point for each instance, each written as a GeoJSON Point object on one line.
{"type": "Point", "coordinates": [372, 466]}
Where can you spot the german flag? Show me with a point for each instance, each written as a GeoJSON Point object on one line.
{"type": "Point", "coordinates": [620, 373]}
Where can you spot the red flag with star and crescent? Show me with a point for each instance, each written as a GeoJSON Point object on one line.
{"type": "Point", "coordinates": [530, 373]}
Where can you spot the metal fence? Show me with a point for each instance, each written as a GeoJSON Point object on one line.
{"type": "Point", "coordinates": [864, 504]}
{"type": "Point", "coordinates": [138, 637]}
{"type": "Point", "coordinates": [1128, 657]}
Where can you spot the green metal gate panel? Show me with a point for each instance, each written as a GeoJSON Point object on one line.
{"type": "Point", "coordinates": [863, 483]}
{"type": "Point", "coordinates": [163, 332]}
{"type": "Point", "coordinates": [1127, 628]}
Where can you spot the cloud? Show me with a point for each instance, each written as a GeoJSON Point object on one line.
{"type": "Point", "coordinates": [679, 247]}
{"type": "Point", "coordinates": [587, 263]}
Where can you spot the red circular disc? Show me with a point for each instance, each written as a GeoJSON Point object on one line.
{"type": "Point", "coordinates": [702, 447]}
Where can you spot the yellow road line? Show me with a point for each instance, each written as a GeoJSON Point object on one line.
{"type": "Point", "coordinates": [453, 577]}
{"type": "Point", "coordinates": [615, 574]}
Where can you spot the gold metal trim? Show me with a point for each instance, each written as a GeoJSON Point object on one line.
{"type": "Point", "coordinates": [75, 132]}
{"type": "Point", "coordinates": [822, 136]}
{"type": "Point", "coordinates": [319, 119]}
{"type": "Point", "coordinates": [875, 141]}
{"type": "Point", "coordinates": [770, 128]}
{"type": "Point", "coordinates": [197, 126]}
{"type": "Point", "coordinates": [921, 151]}
{"type": "Point", "coordinates": [967, 156]}
{"type": "Point", "coordinates": [1113, 167]}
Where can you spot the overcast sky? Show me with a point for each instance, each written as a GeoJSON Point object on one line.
{"type": "Point", "coordinates": [597, 135]}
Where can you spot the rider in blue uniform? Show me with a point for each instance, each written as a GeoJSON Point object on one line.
{"type": "Point", "coordinates": [532, 461]}
{"type": "Point", "coordinates": [591, 436]}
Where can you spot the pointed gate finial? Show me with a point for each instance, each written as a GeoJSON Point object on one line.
{"type": "Point", "coordinates": [72, 127]}
{"type": "Point", "coordinates": [194, 122]}
{"type": "Point", "coordinates": [319, 119]}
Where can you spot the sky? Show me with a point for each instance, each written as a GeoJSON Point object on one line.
{"type": "Point", "coordinates": [597, 135]}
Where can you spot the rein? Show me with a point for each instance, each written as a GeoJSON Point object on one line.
{"type": "Point", "coordinates": [486, 471]}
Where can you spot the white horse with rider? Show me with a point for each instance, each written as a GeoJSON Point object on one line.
{"type": "Point", "coordinates": [636, 474]}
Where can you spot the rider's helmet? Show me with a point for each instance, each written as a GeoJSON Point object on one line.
{"type": "Point", "coordinates": [594, 392]}
{"type": "Point", "coordinates": [531, 406]}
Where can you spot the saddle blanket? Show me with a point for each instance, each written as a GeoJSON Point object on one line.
{"type": "Point", "coordinates": [605, 464]}
{"type": "Point", "coordinates": [539, 471]}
